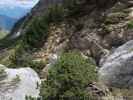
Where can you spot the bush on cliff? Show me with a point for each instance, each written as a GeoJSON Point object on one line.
{"type": "Point", "coordinates": [37, 31]}
{"type": "Point", "coordinates": [69, 77]}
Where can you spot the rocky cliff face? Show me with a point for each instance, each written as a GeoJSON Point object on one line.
{"type": "Point", "coordinates": [37, 11]}
{"type": "Point", "coordinates": [108, 18]}
{"type": "Point", "coordinates": [42, 6]}
{"type": "Point", "coordinates": [96, 30]}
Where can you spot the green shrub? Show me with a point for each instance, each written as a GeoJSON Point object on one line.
{"type": "Point", "coordinates": [22, 58]}
{"type": "Point", "coordinates": [17, 57]}
{"type": "Point", "coordinates": [37, 31]}
{"type": "Point", "coordinates": [75, 7]}
{"type": "Point", "coordinates": [130, 24]}
{"type": "Point", "coordinates": [68, 78]}
{"type": "Point", "coordinates": [26, 61]}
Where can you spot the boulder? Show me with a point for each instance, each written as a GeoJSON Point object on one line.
{"type": "Point", "coordinates": [117, 69]}
{"type": "Point", "coordinates": [17, 84]}
{"type": "Point", "coordinates": [52, 60]}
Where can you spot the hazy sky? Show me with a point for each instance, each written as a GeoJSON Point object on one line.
{"type": "Point", "coordinates": [20, 3]}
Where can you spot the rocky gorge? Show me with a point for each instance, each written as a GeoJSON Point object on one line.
{"type": "Point", "coordinates": [74, 49]}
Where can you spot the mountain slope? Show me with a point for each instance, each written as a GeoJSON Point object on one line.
{"type": "Point", "coordinates": [6, 23]}
{"type": "Point", "coordinates": [87, 26]}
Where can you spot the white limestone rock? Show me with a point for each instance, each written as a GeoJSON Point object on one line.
{"type": "Point", "coordinates": [19, 83]}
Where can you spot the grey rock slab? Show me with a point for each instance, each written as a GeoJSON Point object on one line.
{"type": "Point", "coordinates": [117, 68]}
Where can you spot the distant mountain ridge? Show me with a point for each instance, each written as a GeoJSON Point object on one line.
{"type": "Point", "coordinates": [10, 15]}
{"type": "Point", "coordinates": [6, 23]}
{"type": "Point", "coordinates": [13, 10]}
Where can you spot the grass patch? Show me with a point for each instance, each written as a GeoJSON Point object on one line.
{"type": "Point", "coordinates": [130, 24]}
{"type": "Point", "coordinates": [3, 34]}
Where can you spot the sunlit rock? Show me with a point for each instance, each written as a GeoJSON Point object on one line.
{"type": "Point", "coordinates": [16, 84]}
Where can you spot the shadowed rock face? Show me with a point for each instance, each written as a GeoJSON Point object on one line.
{"type": "Point", "coordinates": [117, 69]}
